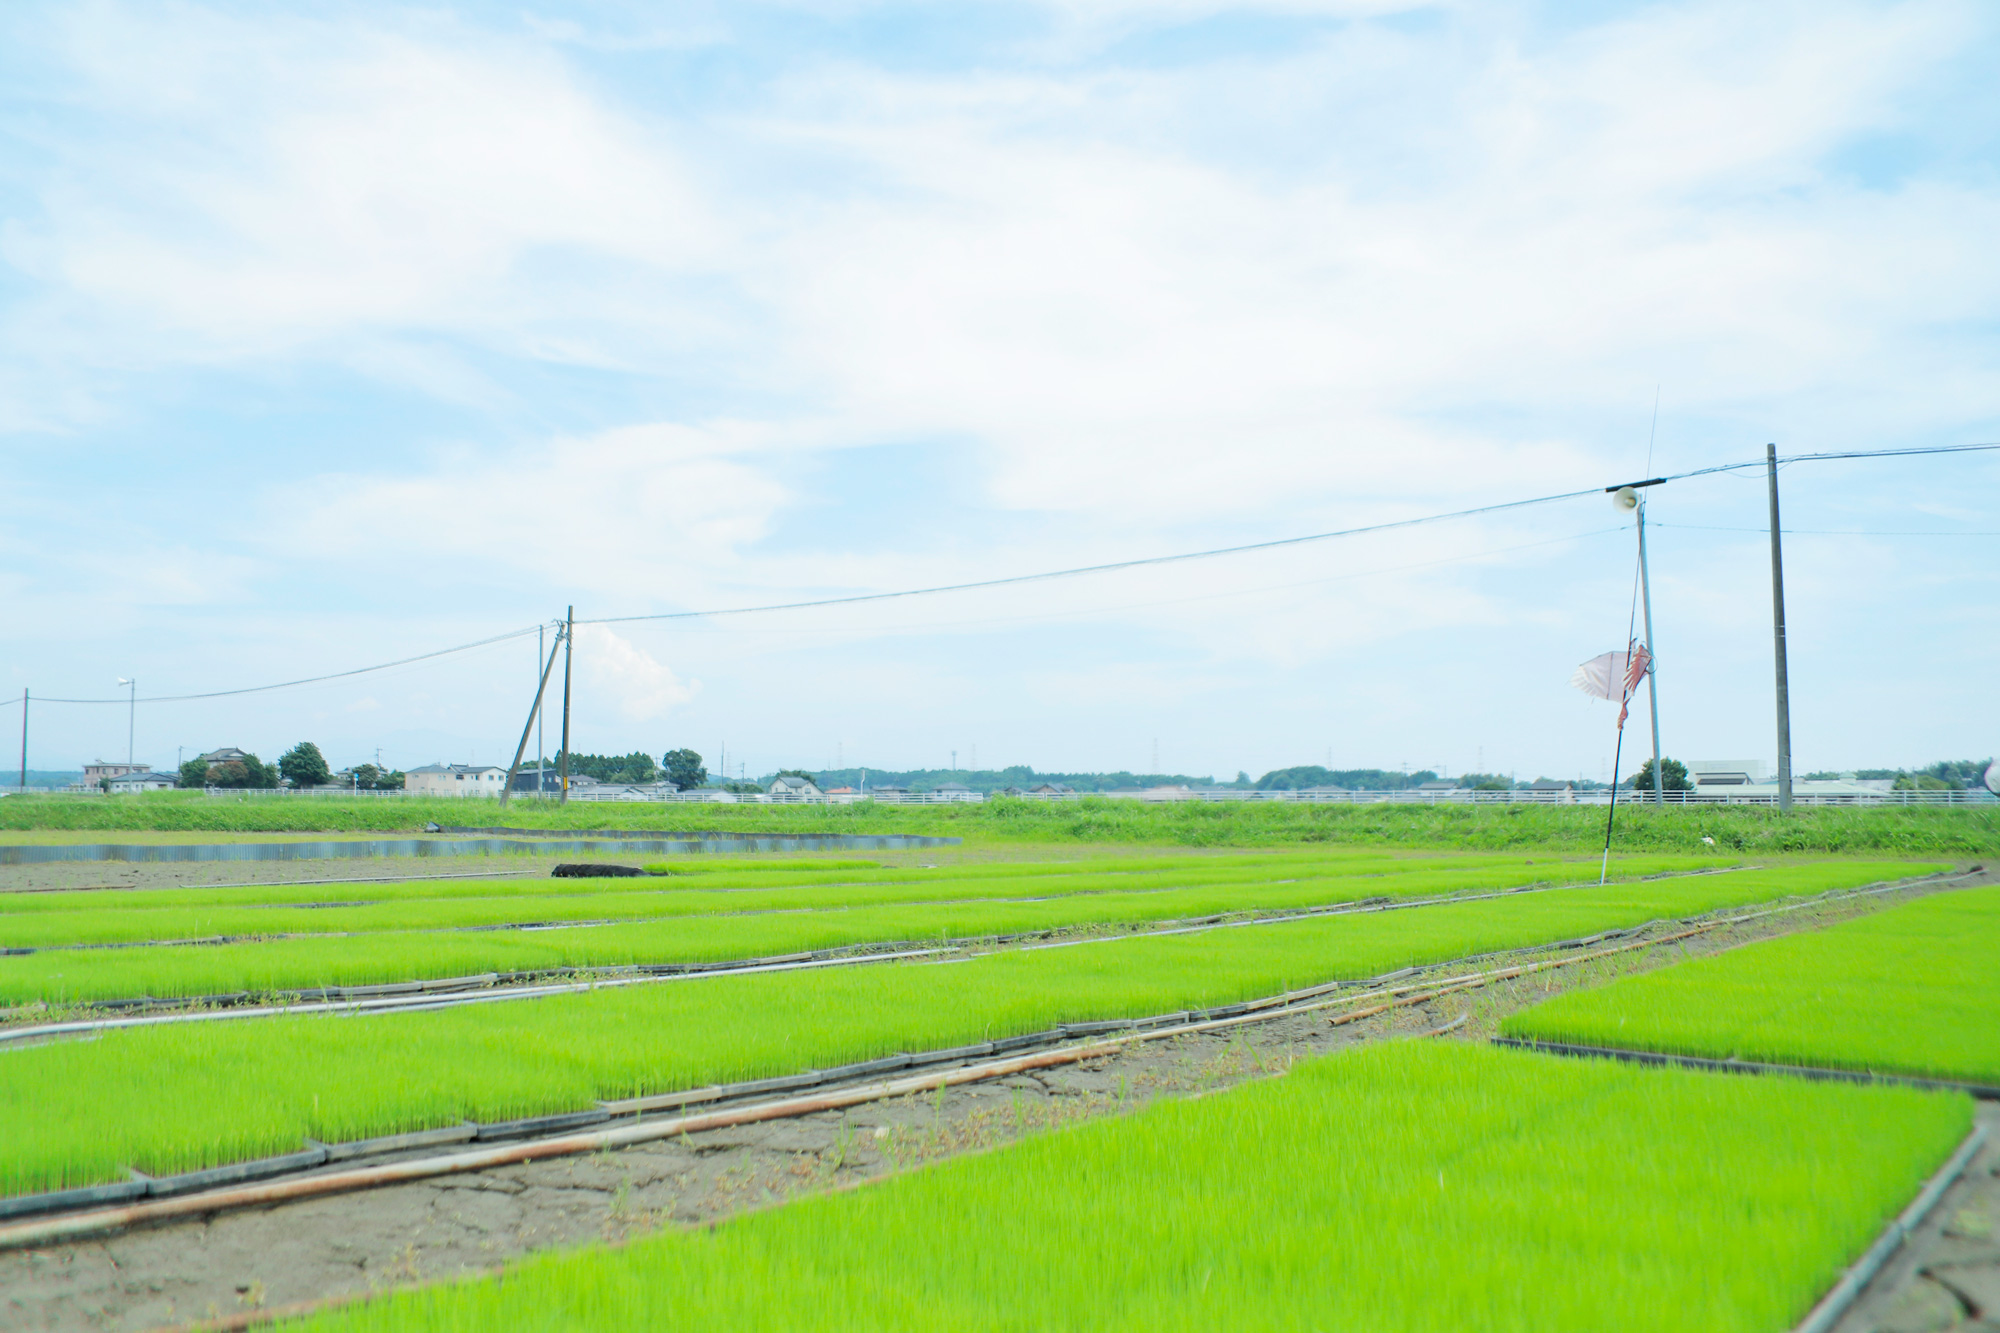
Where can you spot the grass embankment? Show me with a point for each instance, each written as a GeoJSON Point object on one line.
{"type": "Point", "coordinates": [1402, 1187]}
{"type": "Point", "coordinates": [701, 925]}
{"type": "Point", "coordinates": [174, 1097]}
{"type": "Point", "coordinates": [1903, 830]}
{"type": "Point", "coordinates": [1913, 990]}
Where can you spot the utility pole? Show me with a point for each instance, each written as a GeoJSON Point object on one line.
{"type": "Point", "coordinates": [534, 716]}
{"type": "Point", "coordinates": [1652, 659]}
{"type": "Point", "coordinates": [132, 720]}
{"type": "Point", "coordinates": [24, 738]}
{"type": "Point", "coordinates": [1778, 638]}
{"type": "Point", "coordinates": [569, 643]}
{"type": "Point", "coordinates": [541, 763]}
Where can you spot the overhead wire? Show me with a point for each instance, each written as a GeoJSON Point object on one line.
{"type": "Point", "coordinates": [1076, 572]}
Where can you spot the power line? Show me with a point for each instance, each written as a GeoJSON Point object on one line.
{"type": "Point", "coordinates": [1830, 532]}
{"type": "Point", "coordinates": [1076, 572]}
{"type": "Point", "coordinates": [1100, 569]}
{"type": "Point", "coordinates": [309, 680]}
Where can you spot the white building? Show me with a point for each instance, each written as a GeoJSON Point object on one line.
{"type": "Point", "coordinates": [957, 791]}
{"type": "Point", "coordinates": [790, 788]}
{"type": "Point", "coordinates": [455, 780]}
{"type": "Point", "coordinates": [99, 772]}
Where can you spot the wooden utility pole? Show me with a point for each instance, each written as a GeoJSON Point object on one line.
{"type": "Point", "coordinates": [1778, 638]}
{"type": "Point", "coordinates": [568, 646]}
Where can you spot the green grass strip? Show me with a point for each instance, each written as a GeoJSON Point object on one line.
{"type": "Point", "coordinates": [1919, 831]}
{"type": "Point", "coordinates": [173, 1097]}
{"type": "Point", "coordinates": [1409, 1186]}
{"type": "Point", "coordinates": [1913, 990]}
{"type": "Point", "coordinates": [138, 922]}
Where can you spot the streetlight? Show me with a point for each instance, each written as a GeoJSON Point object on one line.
{"type": "Point", "coordinates": [132, 720]}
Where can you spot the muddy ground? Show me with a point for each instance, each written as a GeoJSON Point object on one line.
{"type": "Point", "coordinates": [237, 1264]}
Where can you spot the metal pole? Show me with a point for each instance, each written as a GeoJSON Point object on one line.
{"type": "Point", "coordinates": [568, 645]}
{"type": "Point", "coordinates": [534, 716]}
{"type": "Point", "coordinates": [24, 739]}
{"type": "Point", "coordinates": [1778, 638]}
{"type": "Point", "coordinates": [541, 762]}
{"type": "Point", "coordinates": [132, 722]}
{"type": "Point", "coordinates": [1652, 659]}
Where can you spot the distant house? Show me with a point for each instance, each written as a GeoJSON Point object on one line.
{"type": "Point", "coordinates": [141, 779]}
{"type": "Point", "coordinates": [1563, 793]}
{"type": "Point", "coordinates": [1437, 785]}
{"type": "Point", "coordinates": [537, 780]}
{"type": "Point", "coordinates": [454, 780]}
{"type": "Point", "coordinates": [792, 788]}
{"type": "Point", "coordinates": [889, 793]}
{"type": "Point", "coordinates": [100, 772]}
{"type": "Point", "coordinates": [621, 791]}
{"type": "Point", "coordinates": [227, 754]}
{"type": "Point", "coordinates": [1051, 791]}
{"type": "Point", "coordinates": [957, 791]}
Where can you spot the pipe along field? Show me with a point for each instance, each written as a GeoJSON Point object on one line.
{"type": "Point", "coordinates": [1558, 1177]}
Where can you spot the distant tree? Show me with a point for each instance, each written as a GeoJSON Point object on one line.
{"type": "Point", "coordinates": [1673, 776]}
{"type": "Point", "coordinates": [796, 773]}
{"type": "Point", "coordinates": [1924, 782]}
{"type": "Point", "coordinates": [684, 769]}
{"type": "Point", "coordinates": [367, 777]}
{"type": "Point", "coordinates": [634, 767]}
{"type": "Point", "coordinates": [194, 773]}
{"type": "Point", "coordinates": [304, 766]}
{"type": "Point", "coordinates": [250, 771]}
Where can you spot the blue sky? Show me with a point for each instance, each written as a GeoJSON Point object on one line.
{"type": "Point", "coordinates": [342, 333]}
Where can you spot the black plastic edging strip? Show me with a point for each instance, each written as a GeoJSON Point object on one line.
{"type": "Point", "coordinates": [1855, 1280]}
{"type": "Point", "coordinates": [1816, 1073]}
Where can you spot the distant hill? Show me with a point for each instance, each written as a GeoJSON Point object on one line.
{"type": "Point", "coordinates": [40, 777]}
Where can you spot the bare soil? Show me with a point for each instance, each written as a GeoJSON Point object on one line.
{"type": "Point", "coordinates": [243, 1263]}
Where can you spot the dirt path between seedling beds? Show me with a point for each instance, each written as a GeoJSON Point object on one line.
{"type": "Point", "coordinates": [346, 1245]}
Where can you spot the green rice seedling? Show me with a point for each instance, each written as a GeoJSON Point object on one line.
{"type": "Point", "coordinates": [1913, 990]}
{"type": "Point", "coordinates": [279, 965]}
{"type": "Point", "coordinates": [82, 918]}
{"type": "Point", "coordinates": [179, 1096]}
{"type": "Point", "coordinates": [1410, 1186]}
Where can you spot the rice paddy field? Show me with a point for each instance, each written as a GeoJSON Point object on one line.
{"type": "Point", "coordinates": [1396, 1185]}
{"type": "Point", "coordinates": [1912, 990]}
{"type": "Point", "coordinates": [275, 938]}
{"type": "Point", "coordinates": [1403, 1187]}
{"type": "Point", "coordinates": [174, 1097]}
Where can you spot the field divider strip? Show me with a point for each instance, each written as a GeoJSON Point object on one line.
{"type": "Point", "coordinates": [1855, 1280]}
{"type": "Point", "coordinates": [1814, 1073]}
{"type": "Point", "coordinates": [113, 1219]}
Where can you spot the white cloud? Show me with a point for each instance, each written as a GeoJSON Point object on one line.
{"type": "Point", "coordinates": [641, 687]}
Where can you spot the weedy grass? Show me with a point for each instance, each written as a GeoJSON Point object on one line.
{"type": "Point", "coordinates": [277, 965]}
{"type": "Point", "coordinates": [178, 1096]}
{"type": "Point", "coordinates": [1898, 830]}
{"type": "Point", "coordinates": [1913, 990]}
{"type": "Point", "coordinates": [1406, 1186]}
{"type": "Point", "coordinates": [135, 917]}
